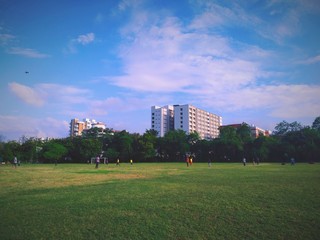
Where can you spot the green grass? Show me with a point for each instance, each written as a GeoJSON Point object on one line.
{"type": "Point", "coordinates": [160, 201]}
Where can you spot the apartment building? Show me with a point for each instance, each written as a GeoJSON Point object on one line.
{"type": "Point", "coordinates": [192, 119]}
{"type": "Point", "coordinates": [77, 127]}
{"type": "Point", "coordinates": [162, 119]}
{"type": "Point", "coordinates": [187, 118]}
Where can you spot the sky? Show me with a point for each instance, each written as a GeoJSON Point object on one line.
{"type": "Point", "coordinates": [250, 61]}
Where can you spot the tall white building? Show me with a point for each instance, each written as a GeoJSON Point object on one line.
{"type": "Point", "coordinates": [162, 119]}
{"type": "Point", "coordinates": [186, 117]}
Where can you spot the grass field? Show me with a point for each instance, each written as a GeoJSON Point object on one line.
{"type": "Point", "coordinates": [160, 201]}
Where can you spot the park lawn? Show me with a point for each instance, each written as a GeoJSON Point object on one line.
{"type": "Point", "coordinates": [160, 201]}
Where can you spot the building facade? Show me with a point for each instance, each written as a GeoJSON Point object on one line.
{"type": "Point", "coordinates": [162, 119]}
{"type": "Point", "coordinates": [191, 119]}
{"type": "Point", "coordinates": [77, 127]}
{"type": "Point", "coordinates": [187, 118]}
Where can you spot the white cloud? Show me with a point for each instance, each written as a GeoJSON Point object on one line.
{"type": "Point", "coordinates": [212, 15]}
{"type": "Point", "coordinates": [5, 38]}
{"type": "Point", "coordinates": [125, 4]}
{"type": "Point", "coordinates": [65, 93]}
{"type": "Point", "coordinates": [27, 94]}
{"type": "Point", "coordinates": [165, 58]}
{"type": "Point", "coordinates": [168, 56]}
{"type": "Point", "coordinates": [282, 101]}
{"type": "Point", "coordinates": [86, 39]}
{"type": "Point", "coordinates": [12, 129]}
{"type": "Point", "coordinates": [124, 103]}
{"type": "Point", "coordinates": [45, 93]}
{"type": "Point", "coordinates": [27, 52]}
{"type": "Point", "coordinates": [311, 60]}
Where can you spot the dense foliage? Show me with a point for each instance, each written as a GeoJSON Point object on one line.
{"type": "Point", "coordinates": [289, 140]}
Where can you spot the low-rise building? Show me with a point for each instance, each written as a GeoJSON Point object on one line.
{"type": "Point", "coordinates": [77, 127]}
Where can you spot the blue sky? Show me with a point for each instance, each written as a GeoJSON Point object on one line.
{"type": "Point", "coordinates": [248, 61]}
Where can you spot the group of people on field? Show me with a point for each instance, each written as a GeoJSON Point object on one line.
{"type": "Point", "coordinates": [98, 158]}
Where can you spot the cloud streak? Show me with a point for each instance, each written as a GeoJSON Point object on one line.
{"type": "Point", "coordinates": [83, 39]}
{"type": "Point", "coordinates": [27, 94]}
{"type": "Point", "coordinates": [27, 52]}
{"type": "Point", "coordinates": [42, 94]}
{"type": "Point", "coordinates": [6, 39]}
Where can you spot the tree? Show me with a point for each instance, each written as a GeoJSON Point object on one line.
{"type": "Point", "coordinates": [29, 149]}
{"type": "Point", "coordinates": [89, 147]}
{"type": "Point", "coordinates": [316, 124]}
{"type": "Point", "coordinates": [192, 139]}
{"type": "Point", "coordinates": [244, 134]}
{"type": "Point", "coordinates": [284, 127]}
{"type": "Point", "coordinates": [230, 143]}
{"type": "Point", "coordinates": [93, 132]}
{"type": "Point", "coordinates": [10, 150]}
{"type": "Point", "coordinates": [175, 145]}
{"type": "Point", "coordinates": [260, 148]}
{"type": "Point", "coordinates": [53, 151]}
{"type": "Point", "coordinates": [147, 145]}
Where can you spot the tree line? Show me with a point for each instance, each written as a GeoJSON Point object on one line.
{"type": "Point", "coordinates": [287, 141]}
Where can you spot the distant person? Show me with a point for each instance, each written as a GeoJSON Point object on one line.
{"type": "Point", "coordinates": [97, 161]}
{"type": "Point", "coordinates": [15, 162]}
{"type": "Point", "coordinates": [292, 161]}
{"type": "Point", "coordinates": [190, 160]}
{"type": "Point", "coordinates": [187, 160]}
{"type": "Point", "coordinates": [244, 161]}
{"type": "Point", "coordinates": [131, 161]}
{"type": "Point", "coordinates": [118, 162]}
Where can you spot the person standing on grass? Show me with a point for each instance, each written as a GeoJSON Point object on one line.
{"type": "Point", "coordinates": [15, 162]}
{"type": "Point", "coordinates": [97, 161]}
{"type": "Point", "coordinates": [118, 162]}
{"type": "Point", "coordinates": [244, 161]}
{"type": "Point", "coordinates": [131, 161]}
